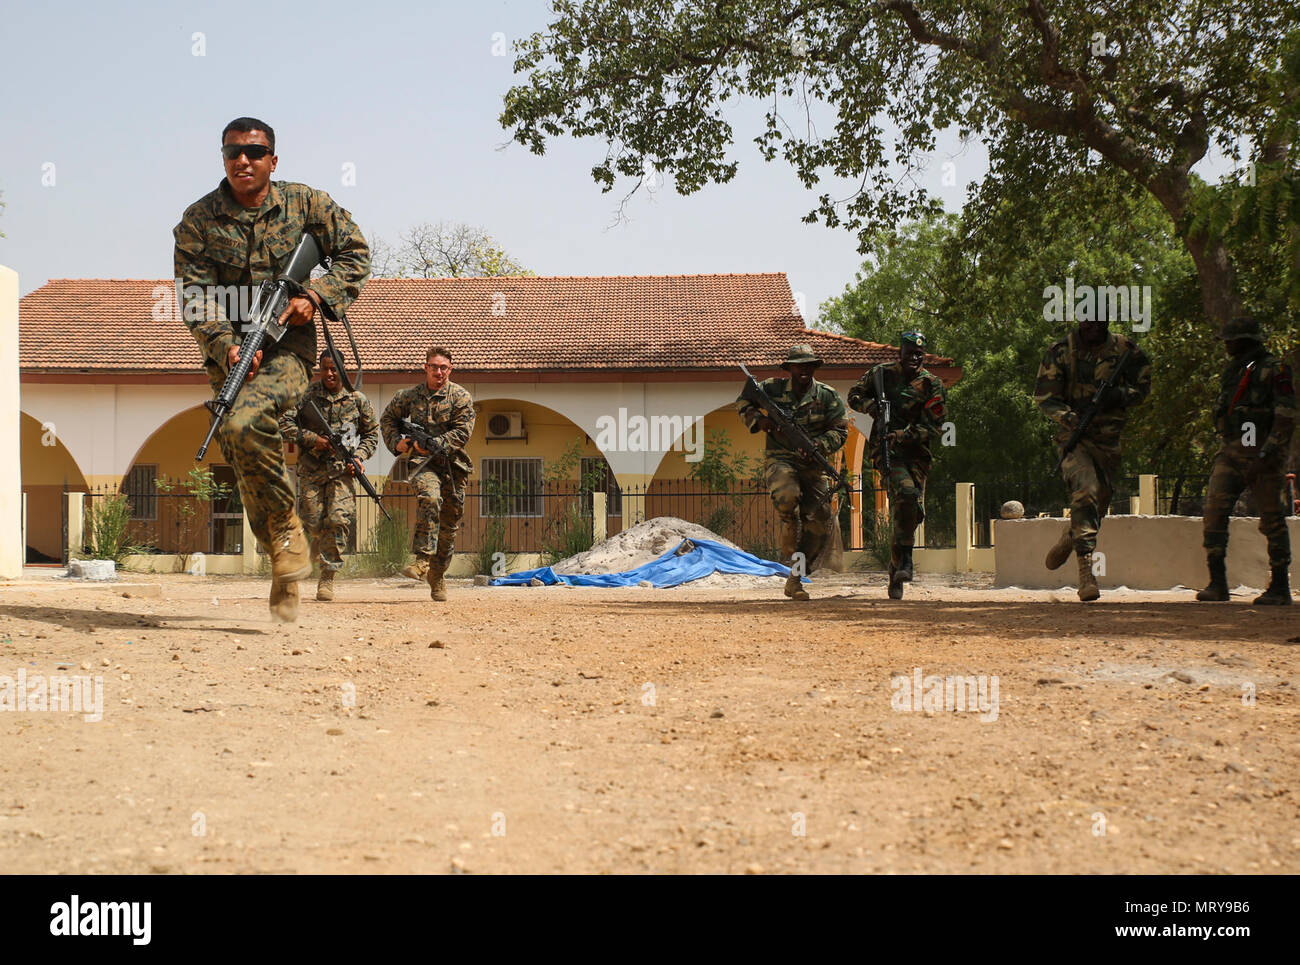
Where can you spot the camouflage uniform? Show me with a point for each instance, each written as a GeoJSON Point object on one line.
{"type": "Point", "coordinates": [220, 242]}
{"type": "Point", "coordinates": [440, 482]}
{"type": "Point", "coordinates": [326, 489]}
{"type": "Point", "coordinates": [1255, 417]}
{"type": "Point", "coordinates": [916, 411]}
{"type": "Point", "coordinates": [796, 485]}
{"type": "Point", "coordinates": [1068, 378]}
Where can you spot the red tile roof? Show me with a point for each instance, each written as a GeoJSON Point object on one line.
{"type": "Point", "coordinates": [505, 324]}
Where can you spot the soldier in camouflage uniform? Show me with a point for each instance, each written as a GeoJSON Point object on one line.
{"type": "Point", "coordinates": [239, 235]}
{"type": "Point", "coordinates": [1072, 370]}
{"type": "Point", "coordinates": [917, 413]}
{"type": "Point", "coordinates": [446, 409]}
{"type": "Point", "coordinates": [327, 489]}
{"type": "Point", "coordinates": [1255, 418]}
{"type": "Point", "coordinates": [796, 483]}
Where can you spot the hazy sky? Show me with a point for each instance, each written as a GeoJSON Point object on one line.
{"type": "Point", "coordinates": [114, 97]}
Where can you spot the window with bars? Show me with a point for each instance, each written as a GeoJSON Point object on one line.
{"type": "Point", "coordinates": [511, 487]}
{"type": "Point", "coordinates": [141, 493]}
{"type": "Point", "coordinates": [598, 477]}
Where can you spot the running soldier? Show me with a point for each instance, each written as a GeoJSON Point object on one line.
{"type": "Point", "coordinates": [798, 486]}
{"type": "Point", "coordinates": [1072, 370]}
{"type": "Point", "coordinates": [1255, 418]}
{"type": "Point", "coordinates": [917, 412]}
{"type": "Point", "coordinates": [327, 488]}
{"type": "Point", "coordinates": [445, 411]}
{"type": "Point", "coordinates": [240, 235]}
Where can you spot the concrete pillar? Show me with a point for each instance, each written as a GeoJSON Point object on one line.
{"type": "Point", "coordinates": [598, 514]}
{"type": "Point", "coordinates": [634, 486]}
{"type": "Point", "coordinates": [1148, 487]}
{"type": "Point", "coordinates": [75, 504]}
{"type": "Point", "coordinates": [1134, 506]}
{"type": "Point", "coordinates": [367, 519]}
{"type": "Point", "coordinates": [12, 548]}
{"type": "Point", "coordinates": [965, 525]}
{"type": "Point", "coordinates": [248, 548]}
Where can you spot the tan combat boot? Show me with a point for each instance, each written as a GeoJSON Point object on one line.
{"type": "Point", "coordinates": [284, 601]}
{"type": "Point", "coordinates": [1060, 551]}
{"type": "Point", "coordinates": [794, 588]}
{"type": "Point", "coordinates": [437, 585]}
{"type": "Point", "coordinates": [418, 568]}
{"type": "Point", "coordinates": [290, 554]}
{"type": "Point", "coordinates": [325, 588]}
{"type": "Point", "coordinates": [1088, 589]}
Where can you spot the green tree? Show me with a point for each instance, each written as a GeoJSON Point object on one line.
{"type": "Point", "coordinates": [1140, 88]}
{"type": "Point", "coordinates": [444, 250]}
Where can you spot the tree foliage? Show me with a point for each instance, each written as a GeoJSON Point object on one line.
{"type": "Point", "coordinates": [443, 250]}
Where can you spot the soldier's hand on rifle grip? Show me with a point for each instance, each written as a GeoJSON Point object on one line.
{"type": "Point", "coordinates": [321, 444]}
{"type": "Point", "coordinates": [764, 424]}
{"type": "Point", "coordinates": [301, 310]}
{"type": "Point", "coordinates": [232, 359]}
{"type": "Point", "coordinates": [352, 467]}
{"type": "Point", "coordinates": [1070, 419]}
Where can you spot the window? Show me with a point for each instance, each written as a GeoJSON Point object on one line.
{"type": "Point", "coordinates": [592, 470]}
{"type": "Point", "coordinates": [141, 493]}
{"type": "Point", "coordinates": [511, 487]}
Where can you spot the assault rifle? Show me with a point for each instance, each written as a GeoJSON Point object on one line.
{"type": "Point", "coordinates": [883, 413]}
{"type": "Point", "coordinates": [269, 304]}
{"type": "Point", "coordinates": [1094, 406]}
{"type": "Point", "coordinates": [316, 422]}
{"type": "Point", "coordinates": [427, 440]}
{"type": "Point", "coordinates": [791, 433]}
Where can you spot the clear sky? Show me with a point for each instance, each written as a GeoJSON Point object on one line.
{"type": "Point", "coordinates": [111, 104]}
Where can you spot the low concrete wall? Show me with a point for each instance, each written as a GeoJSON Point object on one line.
{"type": "Point", "coordinates": [1142, 552]}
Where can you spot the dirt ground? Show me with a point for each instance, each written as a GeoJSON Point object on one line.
{"type": "Point", "coordinates": [640, 730]}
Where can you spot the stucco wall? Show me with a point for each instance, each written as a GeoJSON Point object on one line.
{"type": "Point", "coordinates": [1142, 552]}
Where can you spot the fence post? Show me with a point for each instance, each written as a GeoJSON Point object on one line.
{"type": "Point", "coordinates": [598, 522]}
{"type": "Point", "coordinates": [75, 503]}
{"type": "Point", "coordinates": [965, 525]}
{"type": "Point", "coordinates": [1148, 487]}
{"type": "Point", "coordinates": [248, 547]}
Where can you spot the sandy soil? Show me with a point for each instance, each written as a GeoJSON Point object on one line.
{"type": "Point", "coordinates": [687, 730]}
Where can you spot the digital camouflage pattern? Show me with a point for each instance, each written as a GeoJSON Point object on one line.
{"type": "Point", "coordinates": [440, 482]}
{"type": "Point", "coordinates": [219, 242]}
{"type": "Point", "coordinates": [1256, 405]}
{"type": "Point", "coordinates": [918, 409]}
{"type": "Point", "coordinates": [1068, 378]}
{"type": "Point", "coordinates": [326, 489]}
{"type": "Point", "coordinates": [794, 483]}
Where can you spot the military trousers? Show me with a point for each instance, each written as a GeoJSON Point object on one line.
{"type": "Point", "coordinates": [328, 507]}
{"type": "Point", "coordinates": [1237, 467]}
{"type": "Point", "coordinates": [1089, 473]}
{"type": "Point", "coordinates": [250, 437]}
{"type": "Point", "coordinates": [797, 492]}
{"type": "Point", "coordinates": [906, 487]}
{"type": "Point", "coordinates": [440, 499]}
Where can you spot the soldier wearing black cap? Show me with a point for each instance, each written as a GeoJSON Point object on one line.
{"type": "Point", "coordinates": [916, 418]}
{"type": "Point", "coordinates": [1255, 417]}
{"type": "Point", "coordinates": [796, 483]}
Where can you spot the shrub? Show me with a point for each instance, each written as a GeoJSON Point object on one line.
{"type": "Point", "coordinates": [386, 551]}
{"type": "Point", "coordinates": [107, 523]}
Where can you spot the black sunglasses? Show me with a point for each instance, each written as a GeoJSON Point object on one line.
{"type": "Point", "coordinates": [255, 152]}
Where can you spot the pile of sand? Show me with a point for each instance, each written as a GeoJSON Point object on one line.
{"type": "Point", "coordinates": [646, 542]}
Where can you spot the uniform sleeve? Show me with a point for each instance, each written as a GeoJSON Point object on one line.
{"type": "Point", "coordinates": [1137, 379]}
{"type": "Point", "coordinates": [1050, 387]}
{"type": "Point", "coordinates": [1284, 407]}
{"type": "Point", "coordinates": [348, 251]}
{"type": "Point", "coordinates": [460, 426]}
{"type": "Point", "coordinates": [934, 411]}
{"type": "Point", "coordinates": [749, 412]}
{"type": "Point", "coordinates": [389, 426]}
{"type": "Point", "coordinates": [289, 428]}
{"type": "Point", "coordinates": [203, 316]}
{"type": "Point", "coordinates": [831, 439]}
{"type": "Point", "coordinates": [367, 428]}
{"type": "Point", "coordinates": [862, 396]}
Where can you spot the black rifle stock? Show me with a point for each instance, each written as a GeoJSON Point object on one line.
{"type": "Point", "coordinates": [884, 414]}
{"type": "Point", "coordinates": [1094, 406]}
{"type": "Point", "coordinates": [268, 305]}
{"type": "Point", "coordinates": [791, 433]}
{"type": "Point", "coordinates": [424, 438]}
{"type": "Point", "coordinates": [321, 427]}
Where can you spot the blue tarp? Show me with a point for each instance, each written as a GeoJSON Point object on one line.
{"type": "Point", "coordinates": [691, 559]}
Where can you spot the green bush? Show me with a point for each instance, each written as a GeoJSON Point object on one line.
{"type": "Point", "coordinates": [493, 542]}
{"type": "Point", "coordinates": [108, 519]}
{"type": "Point", "coordinates": [877, 541]}
{"type": "Point", "coordinates": [566, 535]}
{"type": "Point", "coordinates": [386, 551]}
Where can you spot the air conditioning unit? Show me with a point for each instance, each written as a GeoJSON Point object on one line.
{"type": "Point", "coordinates": [505, 425]}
